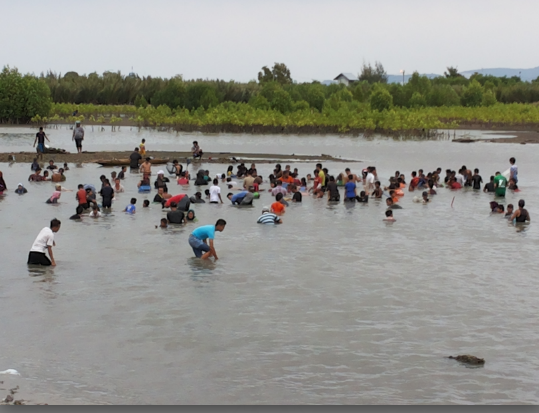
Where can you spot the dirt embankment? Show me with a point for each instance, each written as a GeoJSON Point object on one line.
{"type": "Point", "coordinates": [213, 157]}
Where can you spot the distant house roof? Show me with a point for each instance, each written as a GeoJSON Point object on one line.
{"type": "Point", "coordinates": [349, 76]}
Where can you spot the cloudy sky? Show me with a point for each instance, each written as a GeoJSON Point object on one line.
{"type": "Point", "coordinates": [233, 39]}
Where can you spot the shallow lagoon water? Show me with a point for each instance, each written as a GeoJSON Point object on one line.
{"type": "Point", "coordinates": [334, 306]}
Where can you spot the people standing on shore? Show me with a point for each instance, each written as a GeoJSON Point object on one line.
{"type": "Point", "coordinates": [44, 242]}
{"type": "Point", "coordinates": [196, 150]}
{"type": "Point", "coordinates": [142, 147]}
{"type": "Point", "coordinates": [198, 240]}
{"type": "Point", "coordinates": [78, 136]}
{"type": "Point", "coordinates": [40, 140]}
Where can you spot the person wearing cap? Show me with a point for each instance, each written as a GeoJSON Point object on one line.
{"type": "Point", "coordinates": [78, 136]}
{"type": "Point", "coordinates": [21, 190]}
{"type": "Point", "coordinates": [268, 218]}
{"type": "Point", "coordinates": [521, 215]}
{"type": "Point", "coordinates": [161, 181]}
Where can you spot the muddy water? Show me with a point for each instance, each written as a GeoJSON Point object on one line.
{"type": "Point", "coordinates": [334, 306]}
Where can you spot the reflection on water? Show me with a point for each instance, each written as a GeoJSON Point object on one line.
{"type": "Point", "coordinates": [333, 306]}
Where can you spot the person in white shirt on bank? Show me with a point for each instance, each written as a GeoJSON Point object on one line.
{"type": "Point", "coordinates": [215, 192]}
{"type": "Point", "coordinates": [44, 242]}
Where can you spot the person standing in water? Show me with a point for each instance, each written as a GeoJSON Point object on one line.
{"type": "Point", "coordinates": [44, 242]}
{"type": "Point", "coordinates": [198, 240]}
{"type": "Point", "coordinates": [40, 140]}
{"type": "Point", "coordinates": [513, 171]}
{"type": "Point", "coordinates": [500, 184]}
{"type": "Point", "coordinates": [521, 215]}
{"type": "Point", "coordinates": [78, 136]}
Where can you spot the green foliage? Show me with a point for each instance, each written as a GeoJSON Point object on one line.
{"type": "Point", "coordinates": [452, 72]}
{"type": "Point", "coordinates": [281, 101]}
{"type": "Point", "coordinates": [381, 99]}
{"type": "Point", "coordinates": [279, 73]}
{"type": "Point", "coordinates": [417, 100]}
{"type": "Point", "coordinates": [315, 96]}
{"type": "Point", "coordinates": [22, 97]}
{"type": "Point", "coordinates": [472, 95]}
{"type": "Point", "coordinates": [489, 98]}
{"type": "Point", "coordinates": [260, 102]}
{"type": "Point", "coordinates": [300, 105]}
{"type": "Point", "coordinates": [443, 95]}
{"type": "Point", "coordinates": [376, 74]}
{"type": "Point", "coordinates": [173, 95]}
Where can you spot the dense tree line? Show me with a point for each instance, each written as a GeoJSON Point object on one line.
{"type": "Point", "coordinates": [24, 97]}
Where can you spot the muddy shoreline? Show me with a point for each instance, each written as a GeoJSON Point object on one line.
{"type": "Point", "coordinates": [521, 133]}
{"type": "Point", "coordinates": [209, 157]}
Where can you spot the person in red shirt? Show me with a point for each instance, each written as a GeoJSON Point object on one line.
{"type": "Point", "coordinates": [277, 207]}
{"type": "Point", "coordinates": [81, 197]}
{"type": "Point", "coordinates": [181, 200]}
{"type": "Point", "coordinates": [414, 182]}
{"type": "Point", "coordinates": [453, 184]}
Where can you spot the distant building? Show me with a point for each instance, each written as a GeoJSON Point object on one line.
{"type": "Point", "coordinates": [346, 78]}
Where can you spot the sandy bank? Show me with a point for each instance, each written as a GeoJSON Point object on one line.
{"type": "Point", "coordinates": [210, 157]}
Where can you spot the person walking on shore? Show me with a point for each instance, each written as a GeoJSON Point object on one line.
{"type": "Point", "coordinates": [44, 242]}
{"type": "Point", "coordinates": [40, 140]}
{"type": "Point", "coordinates": [198, 240]}
{"type": "Point", "coordinates": [78, 136]}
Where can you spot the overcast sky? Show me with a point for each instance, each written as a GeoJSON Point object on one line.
{"type": "Point", "coordinates": [233, 39]}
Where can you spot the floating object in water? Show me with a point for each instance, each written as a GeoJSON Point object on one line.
{"type": "Point", "coordinates": [452, 202]}
{"type": "Point", "coordinates": [145, 188]}
{"type": "Point", "coordinates": [10, 371]}
{"type": "Point", "coordinates": [469, 359]}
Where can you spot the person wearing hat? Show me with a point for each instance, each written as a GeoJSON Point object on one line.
{"type": "Point", "coordinates": [161, 181]}
{"type": "Point", "coordinates": [78, 136]}
{"type": "Point", "coordinates": [268, 218]}
{"type": "Point", "coordinates": [21, 190]}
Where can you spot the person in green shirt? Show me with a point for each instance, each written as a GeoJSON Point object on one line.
{"type": "Point", "coordinates": [500, 183]}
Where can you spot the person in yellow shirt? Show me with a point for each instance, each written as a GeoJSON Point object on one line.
{"type": "Point", "coordinates": [143, 147]}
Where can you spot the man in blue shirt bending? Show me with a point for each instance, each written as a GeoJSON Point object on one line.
{"type": "Point", "coordinates": [198, 240]}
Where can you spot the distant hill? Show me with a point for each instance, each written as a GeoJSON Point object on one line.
{"type": "Point", "coordinates": [527, 75]}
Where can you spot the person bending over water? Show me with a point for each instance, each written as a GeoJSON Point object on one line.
{"type": "Point", "coordinates": [198, 240]}
{"type": "Point", "coordinates": [55, 195]}
{"type": "Point", "coordinates": [44, 242]}
{"type": "Point", "coordinates": [78, 213]}
{"type": "Point", "coordinates": [521, 215]}
{"type": "Point", "coordinates": [268, 218]}
{"type": "Point", "coordinates": [496, 208]}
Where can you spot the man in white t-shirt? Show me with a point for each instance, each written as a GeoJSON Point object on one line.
{"type": "Point", "coordinates": [215, 192]}
{"type": "Point", "coordinates": [369, 181]}
{"type": "Point", "coordinates": [44, 242]}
